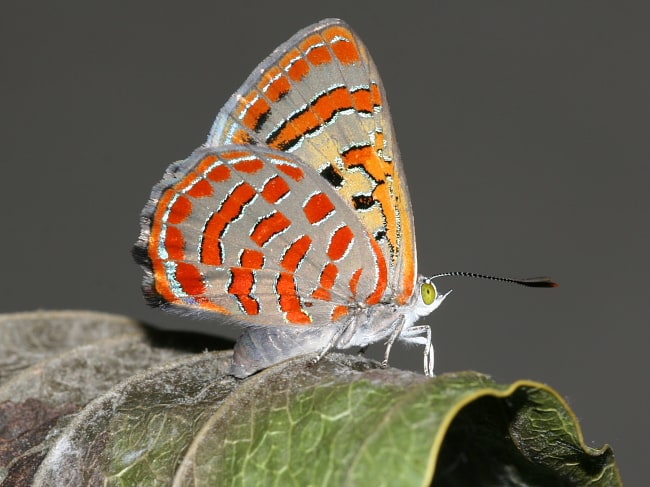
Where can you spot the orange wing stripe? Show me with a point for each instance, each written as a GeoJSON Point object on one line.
{"type": "Point", "coordinates": [319, 111]}
{"type": "Point", "coordinates": [206, 162]}
{"type": "Point", "coordinates": [275, 189]}
{"type": "Point", "coordinates": [354, 281]}
{"type": "Point", "coordinates": [190, 279]}
{"type": "Point", "coordinates": [257, 114]}
{"type": "Point", "coordinates": [268, 227]}
{"type": "Point", "coordinates": [242, 281]}
{"type": "Point", "coordinates": [342, 44]}
{"type": "Point", "coordinates": [322, 294]}
{"type": "Point", "coordinates": [359, 155]}
{"type": "Point", "coordinates": [318, 208]}
{"type": "Point", "coordinates": [296, 253]}
{"type": "Point", "coordinates": [293, 172]}
{"type": "Point", "coordinates": [250, 166]}
{"type": "Point", "coordinates": [362, 100]}
{"type": "Point", "coordinates": [298, 70]}
{"type": "Point", "coordinates": [328, 276]}
{"type": "Point", "coordinates": [278, 88]}
{"type": "Point", "coordinates": [382, 276]}
{"type": "Point", "coordinates": [175, 243]}
{"type": "Point", "coordinates": [289, 301]}
{"type": "Point", "coordinates": [319, 55]}
{"type": "Point", "coordinates": [340, 243]}
{"type": "Point", "coordinates": [219, 174]}
{"type": "Point", "coordinates": [201, 189]}
{"type": "Point", "coordinates": [230, 209]}
{"type": "Point", "coordinates": [235, 154]}
{"type": "Point", "coordinates": [250, 304]}
{"type": "Point", "coordinates": [252, 259]}
{"type": "Point", "coordinates": [339, 312]}
{"type": "Point", "coordinates": [181, 209]}
{"type": "Point", "coordinates": [241, 286]}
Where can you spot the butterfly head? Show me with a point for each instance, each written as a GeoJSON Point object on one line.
{"type": "Point", "coordinates": [428, 297]}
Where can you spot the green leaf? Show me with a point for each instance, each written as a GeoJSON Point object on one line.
{"type": "Point", "coordinates": [127, 407]}
{"type": "Point", "coordinates": [344, 422]}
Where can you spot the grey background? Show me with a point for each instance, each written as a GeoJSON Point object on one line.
{"type": "Point", "coordinates": [524, 132]}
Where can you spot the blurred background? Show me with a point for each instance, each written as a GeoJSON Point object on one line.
{"type": "Point", "coordinates": [524, 130]}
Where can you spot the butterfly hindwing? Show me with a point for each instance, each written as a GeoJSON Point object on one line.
{"type": "Point", "coordinates": [252, 233]}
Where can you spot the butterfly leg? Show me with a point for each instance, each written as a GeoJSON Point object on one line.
{"type": "Point", "coordinates": [393, 336]}
{"type": "Point", "coordinates": [414, 334]}
{"type": "Point", "coordinates": [348, 327]}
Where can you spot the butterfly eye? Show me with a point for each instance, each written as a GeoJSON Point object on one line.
{"type": "Point", "coordinates": [428, 291]}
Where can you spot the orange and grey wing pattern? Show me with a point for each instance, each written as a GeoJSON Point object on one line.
{"type": "Point", "coordinates": [319, 97]}
{"type": "Point", "coordinates": [253, 234]}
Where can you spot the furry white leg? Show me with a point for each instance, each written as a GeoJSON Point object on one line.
{"type": "Point", "coordinates": [331, 343]}
{"type": "Point", "coordinates": [413, 335]}
{"type": "Point", "coordinates": [393, 336]}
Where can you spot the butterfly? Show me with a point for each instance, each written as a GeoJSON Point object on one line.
{"type": "Point", "coordinates": [294, 218]}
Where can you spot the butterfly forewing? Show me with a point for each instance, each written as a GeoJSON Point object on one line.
{"type": "Point", "coordinates": [319, 97]}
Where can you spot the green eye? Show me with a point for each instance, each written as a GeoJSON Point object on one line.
{"type": "Point", "coordinates": [428, 291]}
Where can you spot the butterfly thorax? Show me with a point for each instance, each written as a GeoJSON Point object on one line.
{"type": "Point", "coordinates": [370, 324]}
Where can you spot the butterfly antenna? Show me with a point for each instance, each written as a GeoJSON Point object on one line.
{"type": "Point", "coordinates": [530, 281]}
